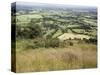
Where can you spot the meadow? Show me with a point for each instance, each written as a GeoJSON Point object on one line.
{"type": "Point", "coordinates": [49, 59]}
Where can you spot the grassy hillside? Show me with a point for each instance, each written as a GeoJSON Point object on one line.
{"type": "Point", "coordinates": [41, 43]}
{"type": "Point", "coordinates": [43, 59]}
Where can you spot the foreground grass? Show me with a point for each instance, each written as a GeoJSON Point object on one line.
{"type": "Point", "coordinates": [49, 59]}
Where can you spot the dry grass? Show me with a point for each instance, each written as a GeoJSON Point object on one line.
{"type": "Point", "coordinates": [49, 59]}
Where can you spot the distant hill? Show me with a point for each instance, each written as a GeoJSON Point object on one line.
{"type": "Point", "coordinates": [27, 6]}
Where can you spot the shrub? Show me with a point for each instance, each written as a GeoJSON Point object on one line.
{"type": "Point", "coordinates": [93, 40]}
{"type": "Point", "coordinates": [71, 43]}
{"type": "Point", "coordinates": [52, 43]}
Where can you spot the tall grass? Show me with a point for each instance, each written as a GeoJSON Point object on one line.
{"type": "Point", "coordinates": [49, 59]}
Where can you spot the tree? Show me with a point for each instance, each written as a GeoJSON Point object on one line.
{"type": "Point", "coordinates": [35, 29]}
{"type": "Point", "coordinates": [32, 30]}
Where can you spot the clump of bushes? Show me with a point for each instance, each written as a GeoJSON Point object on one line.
{"type": "Point", "coordinates": [71, 43]}
{"type": "Point", "coordinates": [47, 43]}
{"type": "Point", "coordinates": [51, 43]}
{"type": "Point", "coordinates": [91, 40]}
{"type": "Point", "coordinates": [42, 43]}
{"type": "Point", "coordinates": [36, 43]}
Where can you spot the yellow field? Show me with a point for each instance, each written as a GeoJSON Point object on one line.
{"type": "Point", "coordinates": [72, 36]}
{"type": "Point", "coordinates": [49, 59]}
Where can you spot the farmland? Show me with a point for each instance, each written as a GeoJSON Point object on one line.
{"type": "Point", "coordinates": [55, 37]}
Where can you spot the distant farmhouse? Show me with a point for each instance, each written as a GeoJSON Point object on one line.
{"type": "Point", "coordinates": [67, 36]}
